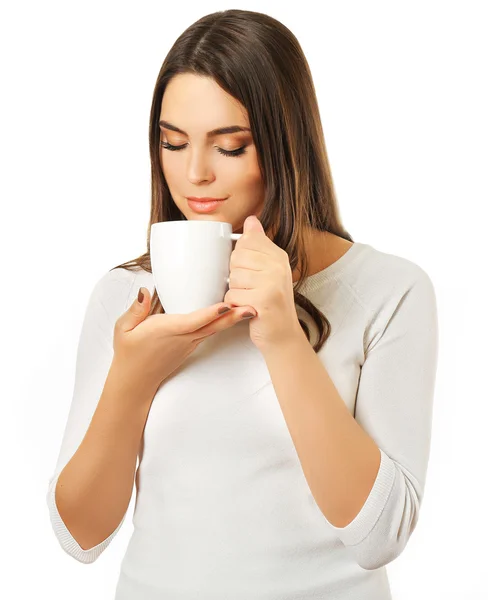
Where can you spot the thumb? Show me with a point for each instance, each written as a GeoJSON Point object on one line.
{"type": "Point", "coordinates": [137, 311]}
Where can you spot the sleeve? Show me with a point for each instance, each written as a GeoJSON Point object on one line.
{"type": "Point", "coordinates": [394, 406]}
{"type": "Point", "coordinates": [94, 356]}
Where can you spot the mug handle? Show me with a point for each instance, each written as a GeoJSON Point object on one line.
{"type": "Point", "coordinates": [233, 237]}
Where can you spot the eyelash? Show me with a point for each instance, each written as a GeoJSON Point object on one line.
{"type": "Point", "coordinates": [237, 152]}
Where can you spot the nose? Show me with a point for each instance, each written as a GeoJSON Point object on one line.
{"type": "Point", "coordinates": [198, 168]}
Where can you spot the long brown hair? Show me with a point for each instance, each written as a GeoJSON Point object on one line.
{"type": "Point", "coordinates": [258, 61]}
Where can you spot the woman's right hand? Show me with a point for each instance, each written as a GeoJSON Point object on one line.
{"type": "Point", "coordinates": [149, 349]}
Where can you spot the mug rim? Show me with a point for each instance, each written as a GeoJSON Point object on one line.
{"type": "Point", "coordinates": [186, 221]}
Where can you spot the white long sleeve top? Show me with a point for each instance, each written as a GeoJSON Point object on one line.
{"type": "Point", "coordinates": [223, 510]}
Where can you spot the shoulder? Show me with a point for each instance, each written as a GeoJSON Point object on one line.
{"type": "Point", "coordinates": [117, 288]}
{"type": "Point", "coordinates": [389, 286]}
{"type": "Point", "coordinates": [381, 278]}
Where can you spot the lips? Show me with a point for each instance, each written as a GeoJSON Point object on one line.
{"type": "Point", "coordinates": [204, 205]}
{"type": "Point", "coordinates": [195, 199]}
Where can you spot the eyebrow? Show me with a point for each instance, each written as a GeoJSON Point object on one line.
{"type": "Point", "coordinates": [213, 133]}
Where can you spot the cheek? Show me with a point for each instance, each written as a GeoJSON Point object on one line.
{"type": "Point", "coordinates": [170, 167]}
{"type": "Point", "coordinates": [252, 178]}
{"type": "Point", "coordinates": [243, 173]}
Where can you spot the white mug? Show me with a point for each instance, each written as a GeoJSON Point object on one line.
{"type": "Point", "coordinates": [190, 263]}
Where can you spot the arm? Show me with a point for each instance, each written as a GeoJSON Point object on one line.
{"type": "Point", "coordinates": [94, 462]}
{"type": "Point", "coordinates": [367, 474]}
{"type": "Point", "coordinates": [94, 489]}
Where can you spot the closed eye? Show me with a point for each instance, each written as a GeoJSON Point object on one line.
{"type": "Point", "coordinates": [236, 152]}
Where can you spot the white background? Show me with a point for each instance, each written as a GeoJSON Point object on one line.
{"type": "Point", "coordinates": [402, 93]}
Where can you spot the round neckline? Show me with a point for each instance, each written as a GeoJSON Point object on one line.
{"type": "Point", "coordinates": [314, 281]}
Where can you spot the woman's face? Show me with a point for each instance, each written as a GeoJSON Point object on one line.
{"type": "Point", "coordinates": [197, 105]}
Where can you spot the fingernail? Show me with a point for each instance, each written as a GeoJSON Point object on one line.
{"type": "Point", "coordinates": [140, 296]}
{"type": "Point", "coordinates": [247, 315]}
{"type": "Point", "coordinates": [223, 310]}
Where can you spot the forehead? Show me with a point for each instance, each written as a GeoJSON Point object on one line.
{"type": "Point", "coordinates": [198, 104]}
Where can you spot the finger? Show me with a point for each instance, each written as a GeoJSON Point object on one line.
{"type": "Point", "coordinates": [225, 322]}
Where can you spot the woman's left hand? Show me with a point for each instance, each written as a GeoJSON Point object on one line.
{"type": "Point", "coordinates": [260, 276]}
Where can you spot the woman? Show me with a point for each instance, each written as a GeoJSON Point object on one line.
{"type": "Point", "coordinates": [270, 465]}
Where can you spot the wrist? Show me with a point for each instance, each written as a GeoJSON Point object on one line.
{"type": "Point", "coordinates": [129, 386]}
{"type": "Point", "coordinates": [293, 338]}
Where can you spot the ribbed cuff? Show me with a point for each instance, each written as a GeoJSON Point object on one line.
{"type": "Point", "coordinates": [358, 529]}
{"type": "Point", "coordinates": [66, 540]}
